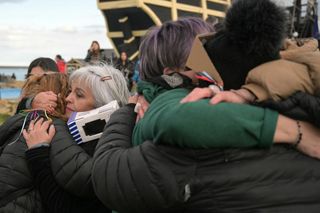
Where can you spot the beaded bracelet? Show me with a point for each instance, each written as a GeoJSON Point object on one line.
{"type": "Point", "coordinates": [295, 145]}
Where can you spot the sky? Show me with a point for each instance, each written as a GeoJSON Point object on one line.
{"type": "Point", "coordinates": [45, 28]}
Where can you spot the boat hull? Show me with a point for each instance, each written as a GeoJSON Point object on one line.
{"type": "Point", "coordinates": [127, 21]}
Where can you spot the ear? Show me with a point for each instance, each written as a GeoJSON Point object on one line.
{"type": "Point", "coordinates": [167, 71]}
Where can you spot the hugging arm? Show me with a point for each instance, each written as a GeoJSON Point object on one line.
{"type": "Point", "coordinates": [71, 164]}
{"type": "Point", "coordinates": [111, 149]}
{"type": "Point", "coordinates": [43, 100]}
{"type": "Point", "coordinates": [53, 196]}
{"type": "Point", "coordinates": [124, 177]}
{"type": "Point", "coordinates": [201, 125]}
{"type": "Point", "coordinates": [300, 106]}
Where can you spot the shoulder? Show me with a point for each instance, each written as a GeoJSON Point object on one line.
{"type": "Point", "coordinates": [173, 94]}
{"type": "Point", "coordinates": [11, 126]}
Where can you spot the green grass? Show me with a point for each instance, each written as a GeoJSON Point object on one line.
{"type": "Point", "coordinates": [3, 118]}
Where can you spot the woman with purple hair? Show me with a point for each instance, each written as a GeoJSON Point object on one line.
{"type": "Point", "coordinates": [165, 83]}
{"type": "Point", "coordinates": [157, 176]}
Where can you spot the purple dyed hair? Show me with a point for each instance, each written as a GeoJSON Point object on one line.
{"type": "Point", "coordinates": [169, 45]}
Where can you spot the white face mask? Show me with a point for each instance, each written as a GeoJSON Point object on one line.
{"type": "Point", "coordinates": [89, 125]}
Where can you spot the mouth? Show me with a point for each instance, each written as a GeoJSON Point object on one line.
{"type": "Point", "coordinates": [68, 109]}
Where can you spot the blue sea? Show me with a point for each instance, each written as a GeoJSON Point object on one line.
{"type": "Point", "coordinates": [12, 93]}
{"type": "Point", "coordinates": [9, 93]}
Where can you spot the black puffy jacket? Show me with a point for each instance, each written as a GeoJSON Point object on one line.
{"type": "Point", "coordinates": [17, 192]}
{"type": "Point", "coordinates": [72, 163]}
{"type": "Point", "coordinates": [71, 166]}
{"type": "Point", "coordinates": [300, 106]}
{"type": "Point", "coordinates": [152, 178]}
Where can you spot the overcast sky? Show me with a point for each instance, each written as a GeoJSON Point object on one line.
{"type": "Point", "coordinates": [34, 28]}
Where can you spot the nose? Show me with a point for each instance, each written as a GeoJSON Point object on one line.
{"type": "Point", "coordinates": [69, 98]}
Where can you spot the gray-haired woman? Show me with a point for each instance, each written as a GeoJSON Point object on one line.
{"type": "Point", "coordinates": [54, 156]}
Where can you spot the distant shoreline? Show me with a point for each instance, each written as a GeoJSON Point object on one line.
{"type": "Point", "coordinates": [12, 84]}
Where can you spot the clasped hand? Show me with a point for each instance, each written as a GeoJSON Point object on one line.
{"type": "Point", "coordinates": [216, 96]}
{"type": "Point", "coordinates": [39, 131]}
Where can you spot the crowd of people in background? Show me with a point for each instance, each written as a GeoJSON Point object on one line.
{"type": "Point", "coordinates": [241, 136]}
{"type": "Point", "coordinates": [95, 55]}
{"type": "Point", "coordinates": [128, 68]}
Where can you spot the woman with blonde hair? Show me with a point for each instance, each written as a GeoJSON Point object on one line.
{"type": "Point", "coordinates": [18, 192]}
{"type": "Point", "coordinates": [50, 81]}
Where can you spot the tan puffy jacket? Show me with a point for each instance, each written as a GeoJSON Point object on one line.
{"type": "Point", "coordinates": [298, 70]}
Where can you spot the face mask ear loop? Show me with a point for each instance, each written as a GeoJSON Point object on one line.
{"type": "Point", "coordinates": [45, 113]}
{"type": "Point", "coordinates": [34, 115]}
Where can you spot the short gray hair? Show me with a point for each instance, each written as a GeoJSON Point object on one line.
{"type": "Point", "coordinates": [105, 82]}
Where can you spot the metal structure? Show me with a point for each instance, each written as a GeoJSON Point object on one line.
{"type": "Point", "coordinates": [128, 20]}
{"type": "Point", "coordinates": [303, 18]}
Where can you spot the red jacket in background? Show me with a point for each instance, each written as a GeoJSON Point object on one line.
{"type": "Point", "coordinates": [61, 66]}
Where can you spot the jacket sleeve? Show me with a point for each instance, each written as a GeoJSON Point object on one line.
{"type": "Point", "coordinates": [25, 103]}
{"type": "Point", "coordinates": [71, 164]}
{"type": "Point", "coordinates": [312, 61]}
{"type": "Point", "coordinates": [123, 177]}
{"type": "Point", "coordinates": [54, 197]}
{"type": "Point", "coordinates": [9, 128]}
{"type": "Point", "coordinates": [300, 106]}
{"type": "Point", "coordinates": [278, 80]}
{"type": "Point", "coordinates": [202, 125]}
{"type": "Point", "coordinates": [309, 55]}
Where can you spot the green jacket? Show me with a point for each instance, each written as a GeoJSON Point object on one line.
{"type": "Point", "coordinates": [201, 125]}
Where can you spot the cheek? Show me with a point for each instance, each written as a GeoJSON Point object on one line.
{"type": "Point", "coordinates": [84, 105]}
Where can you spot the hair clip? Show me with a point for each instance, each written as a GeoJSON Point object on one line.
{"type": "Point", "coordinates": [107, 77]}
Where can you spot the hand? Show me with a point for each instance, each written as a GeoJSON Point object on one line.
{"type": "Point", "coordinates": [218, 96]}
{"type": "Point", "coordinates": [197, 94]}
{"type": "Point", "coordinates": [46, 101]}
{"type": "Point", "coordinates": [141, 107]}
{"type": "Point", "coordinates": [39, 132]}
{"type": "Point", "coordinates": [227, 96]}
